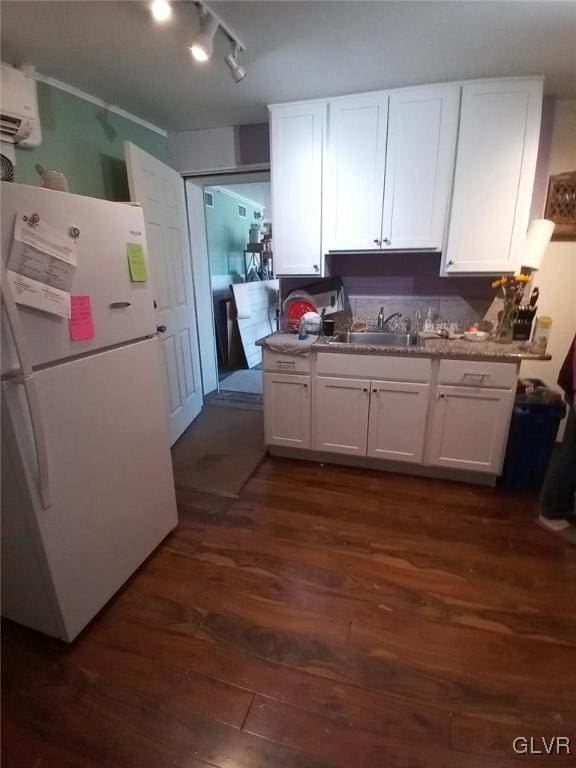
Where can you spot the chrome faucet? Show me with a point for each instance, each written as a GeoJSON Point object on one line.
{"type": "Point", "coordinates": [382, 321]}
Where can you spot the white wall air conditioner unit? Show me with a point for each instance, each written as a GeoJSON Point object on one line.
{"type": "Point", "coordinates": [19, 119]}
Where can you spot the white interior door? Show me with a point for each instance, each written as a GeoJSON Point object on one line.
{"type": "Point", "coordinates": [160, 191]}
{"type": "Point", "coordinates": [202, 287]}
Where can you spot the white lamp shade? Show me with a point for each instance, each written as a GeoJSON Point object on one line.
{"type": "Point", "coordinates": [537, 240]}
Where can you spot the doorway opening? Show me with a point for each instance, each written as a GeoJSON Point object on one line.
{"type": "Point", "coordinates": [231, 215]}
{"type": "Point", "coordinates": [239, 241]}
{"type": "Point", "coordinates": [230, 239]}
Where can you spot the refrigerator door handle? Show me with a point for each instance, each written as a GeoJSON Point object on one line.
{"type": "Point", "coordinates": [26, 377]}
{"type": "Point", "coordinates": [39, 440]}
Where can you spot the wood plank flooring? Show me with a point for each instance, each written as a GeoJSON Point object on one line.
{"type": "Point", "coordinates": [329, 618]}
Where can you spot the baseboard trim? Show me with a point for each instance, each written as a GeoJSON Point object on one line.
{"type": "Point", "coordinates": [365, 462]}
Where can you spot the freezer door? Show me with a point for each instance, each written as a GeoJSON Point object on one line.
{"type": "Point", "coordinates": [122, 310]}
{"type": "Point", "coordinates": [111, 480]}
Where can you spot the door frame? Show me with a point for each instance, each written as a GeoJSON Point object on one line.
{"type": "Point", "coordinates": [201, 261]}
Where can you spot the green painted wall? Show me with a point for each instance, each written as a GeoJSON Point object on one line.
{"type": "Point", "coordinates": [227, 233]}
{"type": "Point", "coordinates": [85, 142]}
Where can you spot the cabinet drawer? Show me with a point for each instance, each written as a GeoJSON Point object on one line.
{"type": "Point", "coordinates": [388, 368]}
{"type": "Point", "coordinates": [279, 363]}
{"type": "Point", "coordinates": [475, 373]}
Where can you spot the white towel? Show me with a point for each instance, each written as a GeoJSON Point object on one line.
{"type": "Point", "coordinates": [290, 344]}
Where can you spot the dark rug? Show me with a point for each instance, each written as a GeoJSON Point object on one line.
{"type": "Point", "coordinates": [220, 450]}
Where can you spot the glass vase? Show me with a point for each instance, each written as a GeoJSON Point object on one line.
{"type": "Point", "coordinates": [506, 319]}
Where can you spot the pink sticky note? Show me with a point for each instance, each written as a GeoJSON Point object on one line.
{"type": "Point", "coordinates": [81, 322]}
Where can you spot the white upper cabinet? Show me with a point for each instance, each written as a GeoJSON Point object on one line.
{"type": "Point", "coordinates": [422, 130]}
{"type": "Point", "coordinates": [297, 138]}
{"type": "Point", "coordinates": [495, 167]}
{"type": "Point", "coordinates": [355, 167]}
{"type": "Point", "coordinates": [440, 168]}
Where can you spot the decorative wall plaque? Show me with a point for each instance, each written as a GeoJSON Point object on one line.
{"type": "Point", "coordinates": [561, 205]}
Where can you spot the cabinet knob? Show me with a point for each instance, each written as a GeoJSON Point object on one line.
{"type": "Point", "coordinates": [161, 328]}
{"type": "Point", "coordinates": [304, 385]}
{"type": "Point", "coordinates": [441, 394]}
{"type": "Point", "coordinates": [386, 241]}
{"type": "Point", "coordinates": [364, 389]}
{"type": "Point", "coordinates": [315, 267]}
{"type": "Point", "coordinates": [451, 263]}
{"type": "Point", "coordinates": [378, 242]}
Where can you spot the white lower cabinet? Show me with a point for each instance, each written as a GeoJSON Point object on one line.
{"type": "Point", "coordinates": [287, 410]}
{"type": "Point", "coordinates": [397, 423]}
{"type": "Point", "coordinates": [340, 415]}
{"type": "Point", "coordinates": [468, 429]}
{"type": "Point", "coordinates": [461, 426]}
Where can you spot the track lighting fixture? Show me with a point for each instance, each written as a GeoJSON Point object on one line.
{"type": "Point", "coordinates": [161, 10]}
{"type": "Point", "coordinates": [202, 46]}
{"type": "Point", "coordinates": [238, 72]}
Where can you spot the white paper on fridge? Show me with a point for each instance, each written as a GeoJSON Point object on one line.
{"type": "Point", "coordinates": [37, 295]}
{"type": "Point", "coordinates": [42, 253]}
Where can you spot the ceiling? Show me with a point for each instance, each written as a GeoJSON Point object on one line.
{"type": "Point", "coordinates": [296, 50]}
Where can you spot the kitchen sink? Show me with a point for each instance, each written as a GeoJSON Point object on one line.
{"type": "Point", "coordinates": [378, 338]}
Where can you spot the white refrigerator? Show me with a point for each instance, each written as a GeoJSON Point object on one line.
{"type": "Point", "coordinates": [87, 484]}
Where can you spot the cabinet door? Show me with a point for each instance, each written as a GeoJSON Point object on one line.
{"type": "Point", "coordinates": [287, 410]}
{"type": "Point", "coordinates": [494, 176]}
{"type": "Point", "coordinates": [397, 422]}
{"type": "Point", "coordinates": [297, 138]}
{"type": "Point", "coordinates": [422, 128]}
{"type": "Point", "coordinates": [341, 415]}
{"type": "Point", "coordinates": [356, 160]}
{"type": "Point", "coordinates": [469, 428]}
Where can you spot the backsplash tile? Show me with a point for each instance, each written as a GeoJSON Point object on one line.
{"type": "Point", "coordinates": [406, 283]}
{"type": "Point", "coordinates": [446, 308]}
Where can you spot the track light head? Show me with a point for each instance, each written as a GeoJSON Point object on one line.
{"type": "Point", "coordinates": [237, 71]}
{"type": "Point", "coordinates": [203, 44]}
{"type": "Point", "coordinates": [161, 10]}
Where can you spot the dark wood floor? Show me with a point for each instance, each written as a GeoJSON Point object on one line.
{"type": "Point", "coordinates": [329, 617]}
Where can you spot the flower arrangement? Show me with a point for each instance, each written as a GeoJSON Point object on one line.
{"type": "Point", "coordinates": [513, 289]}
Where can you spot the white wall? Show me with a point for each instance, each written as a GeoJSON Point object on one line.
{"type": "Point", "coordinates": [203, 150]}
{"type": "Point", "coordinates": [557, 278]}
{"type": "Point", "coordinates": [220, 149]}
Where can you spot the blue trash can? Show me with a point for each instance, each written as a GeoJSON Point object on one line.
{"type": "Point", "coordinates": [535, 420]}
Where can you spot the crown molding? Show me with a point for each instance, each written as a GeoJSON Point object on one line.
{"type": "Point", "coordinates": [100, 102]}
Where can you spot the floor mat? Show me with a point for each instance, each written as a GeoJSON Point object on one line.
{"type": "Point", "coordinates": [246, 380]}
{"type": "Point", "coordinates": [219, 451]}
{"type": "Point", "coordinates": [247, 400]}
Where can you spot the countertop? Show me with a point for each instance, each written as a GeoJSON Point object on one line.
{"type": "Point", "coordinates": [457, 349]}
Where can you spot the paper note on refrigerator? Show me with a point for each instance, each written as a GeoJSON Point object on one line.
{"type": "Point", "coordinates": [31, 293]}
{"type": "Point", "coordinates": [42, 253]}
{"type": "Point", "coordinates": [81, 322]}
{"type": "Point", "coordinates": [137, 262]}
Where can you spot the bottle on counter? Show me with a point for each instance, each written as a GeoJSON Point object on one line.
{"type": "Point", "coordinates": [541, 335]}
